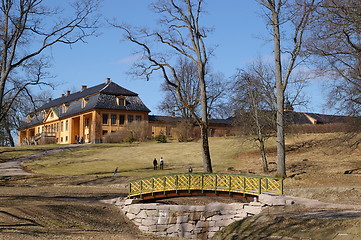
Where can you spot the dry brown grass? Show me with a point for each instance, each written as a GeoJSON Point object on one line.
{"type": "Point", "coordinates": [9, 153]}
{"type": "Point", "coordinates": [314, 161]}
{"type": "Point", "coordinates": [60, 203]}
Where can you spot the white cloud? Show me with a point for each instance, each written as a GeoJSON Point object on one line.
{"type": "Point", "coordinates": [129, 59]}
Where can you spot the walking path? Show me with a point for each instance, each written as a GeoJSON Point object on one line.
{"type": "Point", "coordinates": [14, 168]}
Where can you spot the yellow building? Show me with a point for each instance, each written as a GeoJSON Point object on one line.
{"type": "Point", "coordinates": [89, 115]}
{"type": "Point", "coordinates": [85, 116]}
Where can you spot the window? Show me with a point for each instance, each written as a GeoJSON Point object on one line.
{"type": "Point", "coordinates": [51, 115]}
{"type": "Point", "coordinates": [62, 126]}
{"type": "Point", "coordinates": [66, 125]}
{"type": "Point", "coordinates": [138, 118]}
{"type": "Point", "coordinates": [87, 122]}
{"type": "Point", "coordinates": [64, 108]}
{"type": "Point", "coordinates": [121, 101]}
{"type": "Point", "coordinates": [84, 102]}
{"type": "Point", "coordinates": [113, 119]}
{"type": "Point", "coordinates": [105, 119]}
{"type": "Point", "coordinates": [38, 129]}
{"type": "Point", "coordinates": [61, 139]}
{"type": "Point", "coordinates": [66, 138]}
{"type": "Point", "coordinates": [121, 119]}
{"type": "Point", "coordinates": [105, 132]}
{"type": "Point", "coordinates": [130, 118]}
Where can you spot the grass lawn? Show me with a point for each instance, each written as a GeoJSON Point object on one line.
{"type": "Point", "coordinates": [136, 159]}
{"type": "Point", "coordinates": [313, 160]}
{"type": "Point", "coordinates": [60, 201]}
{"type": "Point", "coordinates": [9, 153]}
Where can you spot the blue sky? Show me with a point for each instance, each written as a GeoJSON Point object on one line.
{"type": "Point", "coordinates": [239, 32]}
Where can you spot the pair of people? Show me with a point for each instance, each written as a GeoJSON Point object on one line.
{"type": "Point", "coordinates": [161, 163]}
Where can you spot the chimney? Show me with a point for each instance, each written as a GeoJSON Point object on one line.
{"type": "Point", "coordinates": [83, 87]}
{"type": "Point", "coordinates": [62, 95]}
{"type": "Point", "coordinates": [68, 93]}
{"type": "Point", "coordinates": [107, 80]}
{"type": "Point", "coordinates": [49, 99]}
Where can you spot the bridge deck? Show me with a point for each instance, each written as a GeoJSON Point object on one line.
{"type": "Point", "coordinates": [189, 184]}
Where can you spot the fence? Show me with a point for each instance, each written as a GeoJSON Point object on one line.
{"type": "Point", "coordinates": [215, 182]}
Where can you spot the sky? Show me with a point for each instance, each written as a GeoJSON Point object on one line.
{"type": "Point", "coordinates": [239, 34]}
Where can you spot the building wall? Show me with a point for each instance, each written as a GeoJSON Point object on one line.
{"type": "Point", "coordinates": [91, 127]}
{"type": "Point", "coordinates": [88, 127]}
{"type": "Point", "coordinates": [112, 121]}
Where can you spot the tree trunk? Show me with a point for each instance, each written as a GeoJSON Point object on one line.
{"type": "Point", "coordinates": [281, 156]}
{"type": "Point", "coordinates": [281, 152]}
{"type": "Point", "coordinates": [207, 163]}
{"type": "Point", "coordinates": [264, 156]}
{"type": "Point", "coordinates": [262, 151]}
{"type": "Point", "coordinates": [10, 137]}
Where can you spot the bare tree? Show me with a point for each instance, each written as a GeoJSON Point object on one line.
{"type": "Point", "coordinates": [180, 35]}
{"type": "Point", "coordinates": [187, 73]}
{"type": "Point", "coordinates": [294, 15]}
{"type": "Point", "coordinates": [189, 84]}
{"type": "Point", "coordinates": [254, 103]}
{"type": "Point", "coordinates": [336, 43]}
{"type": "Point", "coordinates": [28, 28]}
{"type": "Point", "coordinates": [24, 103]}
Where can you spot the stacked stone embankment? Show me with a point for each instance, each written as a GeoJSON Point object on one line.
{"type": "Point", "coordinates": [188, 221]}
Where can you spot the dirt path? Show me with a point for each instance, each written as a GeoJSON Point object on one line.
{"type": "Point", "coordinates": [14, 168]}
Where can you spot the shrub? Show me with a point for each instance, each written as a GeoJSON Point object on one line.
{"type": "Point", "coordinates": [130, 139]}
{"type": "Point", "coordinates": [135, 131]}
{"type": "Point", "coordinates": [183, 130]}
{"type": "Point", "coordinates": [161, 138]}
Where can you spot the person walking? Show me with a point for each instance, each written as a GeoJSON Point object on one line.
{"type": "Point", "coordinates": [161, 163]}
{"type": "Point", "coordinates": [115, 172]}
{"type": "Point", "coordinates": [155, 164]}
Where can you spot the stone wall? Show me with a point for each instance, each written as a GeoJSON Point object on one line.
{"type": "Point", "coordinates": [186, 221]}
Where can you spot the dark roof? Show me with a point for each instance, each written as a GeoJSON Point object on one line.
{"type": "Point", "coordinates": [301, 118]}
{"type": "Point", "coordinates": [106, 88]}
{"type": "Point", "coordinates": [170, 119]}
{"type": "Point", "coordinates": [228, 121]}
{"type": "Point", "coordinates": [102, 96]}
{"type": "Point", "coordinates": [291, 117]}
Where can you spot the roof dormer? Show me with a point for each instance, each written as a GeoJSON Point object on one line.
{"type": "Point", "coordinates": [84, 102]}
{"type": "Point", "coordinates": [121, 101]}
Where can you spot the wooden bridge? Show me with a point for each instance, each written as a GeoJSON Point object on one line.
{"type": "Point", "coordinates": [204, 184]}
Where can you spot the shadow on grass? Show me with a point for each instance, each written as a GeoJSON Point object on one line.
{"type": "Point", "coordinates": [30, 221]}
{"type": "Point", "coordinates": [317, 225]}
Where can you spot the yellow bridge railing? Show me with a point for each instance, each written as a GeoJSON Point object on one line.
{"type": "Point", "coordinates": [217, 182]}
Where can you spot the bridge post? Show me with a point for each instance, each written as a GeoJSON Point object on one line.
{"type": "Point", "coordinates": [189, 183]}
{"type": "Point", "coordinates": [259, 185]}
{"type": "Point", "coordinates": [152, 186]}
{"type": "Point", "coordinates": [141, 188]}
{"type": "Point", "coordinates": [266, 182]}
{"type": "Point", "coordinates": [176, 184]}
{"type": "Point", "coordinates": [215, 185]}
{"type": "Point", "coordinates": [244, 186]}
{"type": "Point", "coordinates": [164, 184]}
{"type": "Point", "coordinates": [230, 185]}
{"type": "Point", "coordinates": [202, 183]}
